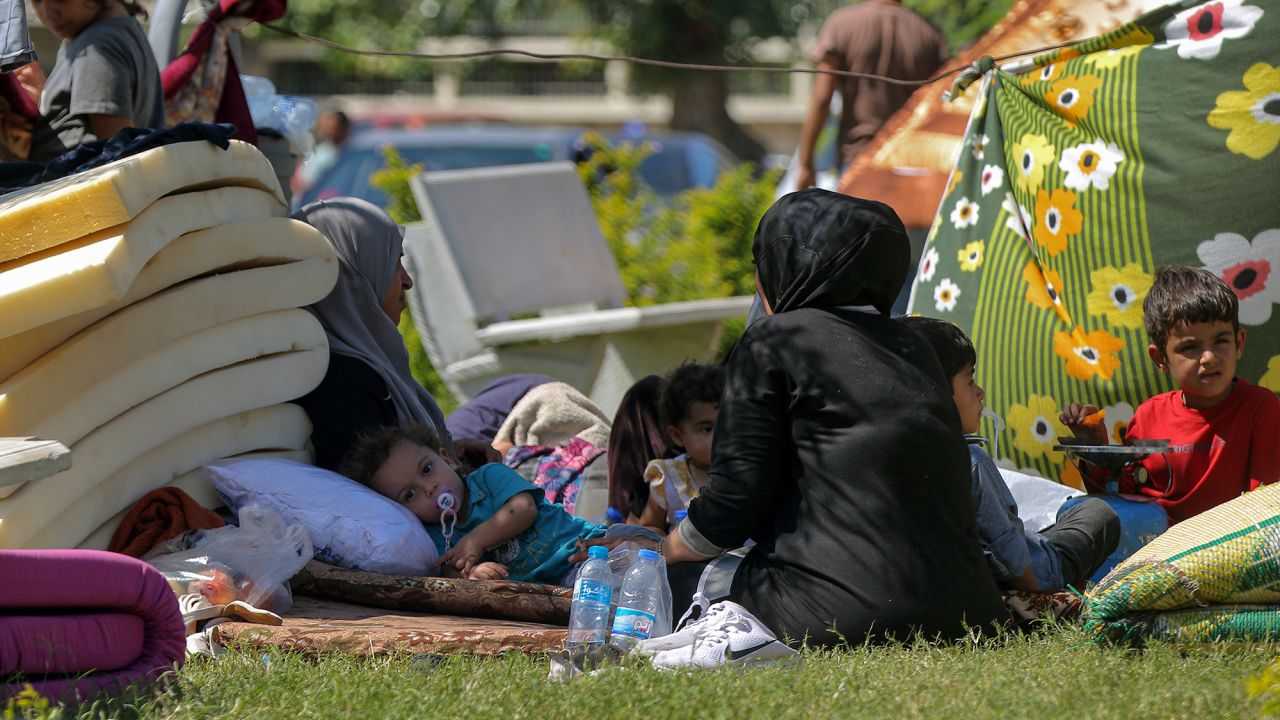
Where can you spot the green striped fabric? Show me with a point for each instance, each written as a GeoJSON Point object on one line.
{"type": "Point", "coordinates": [1154, 144]}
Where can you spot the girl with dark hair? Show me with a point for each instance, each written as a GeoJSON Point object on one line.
{"type": "Point", "coordinates": [637, 437]}
{"type": "Point", "coordinates": [105, 78]}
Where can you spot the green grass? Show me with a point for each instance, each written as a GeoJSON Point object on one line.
{"type": "Point", "coordinates": [1054, 674]}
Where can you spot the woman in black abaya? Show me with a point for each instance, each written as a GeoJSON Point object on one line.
{"type": "Point", "coordinates": [838, 449]}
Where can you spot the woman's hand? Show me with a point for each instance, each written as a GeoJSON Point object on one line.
{"type": "Point", "coordinates": [1078, 417]}
{"type": "Point", "coordinates": [488, 571]}
{"type": "Point", "coordinates": [608, 543]}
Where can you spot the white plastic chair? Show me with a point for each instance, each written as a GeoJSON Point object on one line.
{"type": "Point", "coordinates": [512, 275]}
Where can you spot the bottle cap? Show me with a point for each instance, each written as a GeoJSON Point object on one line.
{"type": "Point", "coordinates": [681, 515]}
{"type": "Point", "coordinates": [613, 515]}
{"type": "Point", "coordinates": [647, 554]}
{"type": "Point", "coordinates": [598, 552]}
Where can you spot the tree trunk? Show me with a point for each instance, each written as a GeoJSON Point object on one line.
{"type": "Point", "coordinates": [698, 104]}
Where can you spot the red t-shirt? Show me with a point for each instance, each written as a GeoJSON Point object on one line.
{"type": "Point", "coordinates": [1215, 455]}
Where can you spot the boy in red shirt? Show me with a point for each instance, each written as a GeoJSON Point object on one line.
{"type": "Point", "coordinates": [1224, 432]}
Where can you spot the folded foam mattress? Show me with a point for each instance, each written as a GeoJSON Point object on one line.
{"type": "Point", "coordinates": [279, 427]}
{"type": "Point", "coordinates": [101, 454]}
{"type": "Point", "coordinates": [60, 211]}
{"type": "Point", "coordinates": [75, 622]}
{"type": "Point", "coordinates": [99, 268]}
{"type": "Point", "coordinates": [98, 375]}
{"type": "Point", "coordinates": [194, 255]}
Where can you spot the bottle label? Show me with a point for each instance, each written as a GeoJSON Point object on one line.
{"type": "Point", "coordinates": [636, 623]}
{"type": "Point", "coordinates": [594, 590]}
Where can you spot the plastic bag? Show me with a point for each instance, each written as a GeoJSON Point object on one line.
{"type": "Point", "coordinates": [291, 116]}
{"type": "Point", "coordinates": [252, 562]}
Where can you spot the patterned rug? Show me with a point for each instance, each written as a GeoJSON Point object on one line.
{"type": "Point", "coordinates": [316, 626]}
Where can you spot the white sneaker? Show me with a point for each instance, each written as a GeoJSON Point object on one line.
{"type": "Point", "coordinates": [684, 635]}
{"type": "Point", "coordinates": [726, 635]}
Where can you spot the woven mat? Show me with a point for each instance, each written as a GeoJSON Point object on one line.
{"type": "Point", "coordinates": [318, 626]}
{"type": "Point", "coordinates": [1241, 514]}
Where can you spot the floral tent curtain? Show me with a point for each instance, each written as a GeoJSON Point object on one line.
{"type": "Point", "coordinates": [1153, 144]}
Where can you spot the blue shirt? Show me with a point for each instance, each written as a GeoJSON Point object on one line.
{"type": "Point", "coordinates": [539, 554]}
{"type": "Point", "coordinates": [1009, 546]}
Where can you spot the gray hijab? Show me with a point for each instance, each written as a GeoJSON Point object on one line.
{"type": "Point", "coordinates": [368, 244]}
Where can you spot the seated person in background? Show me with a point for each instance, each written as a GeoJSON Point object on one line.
{"type": "Point", "coordinates": [635, 439]}
{"type": "Point", "coordinates": [554, 438]}
{"type": "Point", "coordinates": [105, 78]}
{"type": "Point", "coordinates": [1222, 429]}
{"type": "Point", "coordinates": [482, 416]}
{"type": "Point", "coordinates": [690, 403]}
{"type": "Point", "coordinates": [503, 528]}
{"type": "Point", "coordinates": [1067, 553]}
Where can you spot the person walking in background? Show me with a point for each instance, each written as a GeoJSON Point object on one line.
{"type": "Point", "coordinates": [332, 130]}
{"type": "Point", "coordinates": [875, 36]}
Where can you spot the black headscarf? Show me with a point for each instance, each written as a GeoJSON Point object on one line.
{"type": "Point", "coordinates": [821, 249]}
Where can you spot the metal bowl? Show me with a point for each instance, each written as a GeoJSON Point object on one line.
{"type": "Point", "coordinates": [1112, 457]}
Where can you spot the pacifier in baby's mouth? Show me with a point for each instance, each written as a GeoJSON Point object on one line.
{"type": "Point", "coordinates": [448, 504]}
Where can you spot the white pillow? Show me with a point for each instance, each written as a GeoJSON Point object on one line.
{"type": "Point", "coordinates": [350, 524]}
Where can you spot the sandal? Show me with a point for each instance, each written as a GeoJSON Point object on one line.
{"type": "Point", "coordinates": [196, 609]}
{"type": "Point", "coordinates": [240, 610]}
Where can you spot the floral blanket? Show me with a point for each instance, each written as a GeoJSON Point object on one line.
{"type": "Point", "coordinates": [1153, 144]}
{"type": "Point", "coordinates": [558, 469]}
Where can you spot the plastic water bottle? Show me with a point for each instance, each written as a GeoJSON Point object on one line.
{"type": "Point", "coordinates": [589, 613]}
{"type": "Point", "coordinates": [638, 605]}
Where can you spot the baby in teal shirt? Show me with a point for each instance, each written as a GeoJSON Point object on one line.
{"type": "Point", "coordinates": [498, 524]}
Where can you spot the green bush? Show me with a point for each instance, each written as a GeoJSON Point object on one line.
{"type": "Point", "coordinates": [696, 245]}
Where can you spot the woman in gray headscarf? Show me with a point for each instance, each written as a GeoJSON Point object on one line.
{"type": "Point", "coordinates": [368, 383]}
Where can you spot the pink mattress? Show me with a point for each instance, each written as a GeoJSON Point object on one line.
{"type": "Point", "coordinates": [75, 622]}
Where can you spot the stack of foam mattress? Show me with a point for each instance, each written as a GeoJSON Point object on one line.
{"type": "Point", "coordinates": [151, 321]}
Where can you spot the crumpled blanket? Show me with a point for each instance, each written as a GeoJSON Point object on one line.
{"type": "Point", "coordinates": [160, 515]}
{"type": "Point", "coordinates": [129, 141]}
{"type": "Point", "coordinates": [558, 468]}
